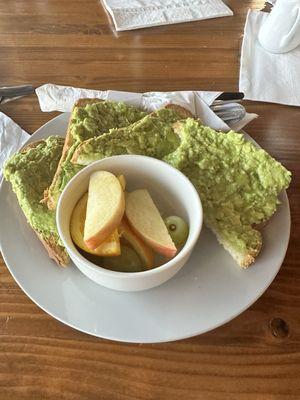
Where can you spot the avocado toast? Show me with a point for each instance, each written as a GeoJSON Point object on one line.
{"type": "Point", "coordinates": [152, 136]}
{"type": "Point", "coordinates": [30, 171]}
{"type": "Point", "coordinates": [89, 118]}
{"type": "Point", "coordinates": [238, 182]}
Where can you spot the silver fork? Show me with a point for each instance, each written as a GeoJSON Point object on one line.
{"type": "Point", "coordinates": [227, 107]}
{"type": "Point", "coordinates": [230, 112]}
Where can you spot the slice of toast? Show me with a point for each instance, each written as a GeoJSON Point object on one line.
{"type": "Point", "coordinates": [89, 118]}
{"type": "Point", "coordinates": [238, 184]}
{"type": "Point", "coordinates": [152, 135]}
{"type": "Point", "coordinates": [30, 171]}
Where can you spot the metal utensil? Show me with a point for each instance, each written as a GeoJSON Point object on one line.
{"type": "Point", "coordinates": [227, 107]}
{"type": "Point", "coordinates": [229, 112]}
{"type": "Point", "coordinates": [229, 96]}
{"type": "Point", "coordinates": [9, 93]}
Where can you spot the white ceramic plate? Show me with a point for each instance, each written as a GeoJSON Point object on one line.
{"type": "Point", "coordinates": [208, 292]}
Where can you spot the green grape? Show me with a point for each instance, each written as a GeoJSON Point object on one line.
{"type": "Point", "coordinates": [178, 230]}
{"type": "Point", "coordinates": [127, 261]}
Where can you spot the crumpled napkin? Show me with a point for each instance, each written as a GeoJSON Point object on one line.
{"type": "Point", "coordinates": [135, 14]}
{"type": "Point", "coordinates": [265, 76]}
{"type": "Point", "coordinates": [12, 138]}
{"type": "Point", "coordinates": [61, 98]}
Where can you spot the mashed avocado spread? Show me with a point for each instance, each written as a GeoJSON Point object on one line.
{"type": "Point", "coordinates": [152, 136]}
{"type": "Point", "coordinates": [87, 122]}
{"type": "Point", "coordinates": [238, 182]}
{"type": "Point", "coordinates": [29, 173]}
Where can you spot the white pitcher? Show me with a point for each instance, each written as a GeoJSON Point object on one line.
{"type": "Point", "coordinates": [280, 32]}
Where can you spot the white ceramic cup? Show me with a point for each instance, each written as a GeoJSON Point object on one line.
{"type": "Point", "coordinates": [280, 33]}
{"type": "Point", "coordinates": [171, 191]}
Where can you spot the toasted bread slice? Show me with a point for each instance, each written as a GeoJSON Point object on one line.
{"type": "Point", "coordinates": [238, 184]}
{"type": "Point", "coordinates": [152, 135]}
{"type": "Point", "coordinates": [30, 171]}
{"type": "Point", "coordinates": [89, 118]}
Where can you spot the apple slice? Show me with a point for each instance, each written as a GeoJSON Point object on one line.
{"type": "Point", "coordinates": [111, 247]}
{"type": "Point", "coordinates": [105, 208]}
{"type": "Point", "coordinates": [144, 251]}
{"type": "Point", "coordinates": [147, 222]}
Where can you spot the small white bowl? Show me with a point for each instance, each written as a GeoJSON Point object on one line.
{"type": "Point", "coordinates": [171, 191]}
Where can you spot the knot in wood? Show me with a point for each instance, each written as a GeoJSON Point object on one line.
{"type": "Point", "coordinates": [279, 328]}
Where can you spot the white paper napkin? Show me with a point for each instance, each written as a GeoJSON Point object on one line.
{"type": "Point", "coordinates": [265, 76]}
{"type": "Point", "coordinates": [12, 137]}
{"type": "Point", "coordinates": [61, 98]}
{"type": "Point", "coordinates": [135, 14]}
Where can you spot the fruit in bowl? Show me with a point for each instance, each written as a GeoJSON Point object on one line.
{"type": "Point", "coordinates": [120, 231]}
{"type": "Point", "coordinates": [147, 222]}
{"type": "Point", "coordinates": [139, 263]}
{"type": "Point", "coordinates": [105, 208]}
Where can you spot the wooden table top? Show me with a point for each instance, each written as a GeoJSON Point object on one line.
{"type": "Point", "coordinates": [255, 356]}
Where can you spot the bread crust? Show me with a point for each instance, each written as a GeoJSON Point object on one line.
{"type": "Point", "coordinates": [29, 146]}
{"type": "Point", "coordinates": [251, 256]}
{"type": "Point", "coordinates": [184, 113]}
{"type": "Point", "coordinates": [56, 252]}
{"type": "Point", "coordinates": [243, 261]}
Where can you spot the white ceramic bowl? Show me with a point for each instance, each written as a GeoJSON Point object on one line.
{"type": "Point", "coordinates": [171, 191]}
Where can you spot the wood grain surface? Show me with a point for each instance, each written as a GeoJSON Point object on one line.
{"type": "Point", "coordinates": [255, 356]}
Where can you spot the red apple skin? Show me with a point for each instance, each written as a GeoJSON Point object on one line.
{"type": "Point", "coordinates": [146, 221]}
{"type": "Point", "coordinates": [95, 241]}
{"type": "Point", "coordinates": [168, 252]}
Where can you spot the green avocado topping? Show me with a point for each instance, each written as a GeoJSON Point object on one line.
{"type": "Point", "coordinates": [238, 183]}
{"type": "Point", "coordinates": [152, 136]}
{"type": "Point", "coordinates": [89, 121]}
{"type": "Point", "coordinates": [30, 172]}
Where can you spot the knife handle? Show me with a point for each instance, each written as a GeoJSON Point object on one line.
{"type": "Point", "coordinates": [14, 91]}
{"type": "Point", "coordinates": [230, 96]}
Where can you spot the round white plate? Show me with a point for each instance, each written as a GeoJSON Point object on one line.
{"type": "Point", "coordinates": [208, 292]}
